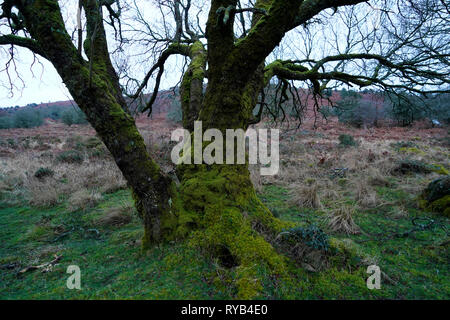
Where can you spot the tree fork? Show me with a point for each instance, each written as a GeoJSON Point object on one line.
{"type": "Point", "coordinates": [95, 91]}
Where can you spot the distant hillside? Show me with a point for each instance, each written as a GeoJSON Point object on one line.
{"type": "Point", "coordinates": [162, 104]}
{"type": "Point", "coordinates": [354, 108]}
{"type": "Point", "coordinates": [42, 106]}
{"type": "Point", "coordinates": [165, 100]}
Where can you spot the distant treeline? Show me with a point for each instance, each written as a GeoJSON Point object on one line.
{"type": "Point", "coordinates": [33, 116]}
{"type": "Point", "coordinates": [355, 108]}
{"type": "Point", "coordinates": [371, 108]}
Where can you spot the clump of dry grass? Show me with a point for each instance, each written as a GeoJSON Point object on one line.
{"type": "Point", "coordinates": [376, 178]}
{"type": "Point", "coordinates": [102, 175]}
{"type": "Point", "coordinates": [341, 220]}
{"type": "Point", "coordinates": [328, 190]}
{"type": "Point", "coordinates": [303, 158]}
{"type": "Point", "coordinates": [84, 199]}
{"type": "Point", "coordinates": [365, 195]}
{"type": "Point", "coordinates": [385, 166]}
{"type": "Point", "coordinates": [43, 194]}
{"type": "Point", "coordinates": [370, 200]}
{"type": "Point", "coordinates": [18, 183]}
{"type": "Point", "coordinates": [116, 217]}
{"type": "Point", "coordinates": [356, 160]}
{"type": "Point", "coordinates": [400, 212]}
{"type": "Point", "coordinates": [306, 196]}
{"type": "Point", "coordinates": [379, 181]}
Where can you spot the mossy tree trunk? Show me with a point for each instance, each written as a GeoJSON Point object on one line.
{"type": "Point", "coordinates": [214, 206]}
{"type": "Point", "coordinates": [192, 85]}
{"type": "Point", "coordinates": [94, 85]}
{"type": "Point", "coordinates": [217, 206]}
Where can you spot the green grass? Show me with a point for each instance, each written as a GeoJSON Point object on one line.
{"type": "Point", "coordinates": [417, 265]}
{"type": "Point", "coordinates": [113, 266]}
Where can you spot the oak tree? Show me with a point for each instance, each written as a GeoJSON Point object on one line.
{"type": "Point", "coordinates": [238, 52]}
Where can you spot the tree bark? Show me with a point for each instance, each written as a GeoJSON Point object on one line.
{"type": "Point", "coordinates": [192, 85]}
{"type": "Point", "coordinates": [214, 206]}
{"type": "Point", "coordinates": [218, 208]}
{"type": "Point", "coordinates": [95, 88]}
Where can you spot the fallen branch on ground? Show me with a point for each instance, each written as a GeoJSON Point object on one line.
{"type": "Point", "coordinates": [46, 266]}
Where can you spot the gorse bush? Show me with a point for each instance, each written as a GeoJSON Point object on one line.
{"type": "Point", "coordinates": [42, 173]}
{"type": "Point", "coordinates": [73, 116]}
{"type": "Point", "coordinates": [360, 109]}
{"type": "Point", "coordinates": [348, 107]}
{"type": "Point", "coordinates": [27, 118]}
{"type": "Point", "coordinates": [71, 156]}
{"type": "Point", "coordinates": [6, 123]}
{"type": "Point", "coordinates": [68, 118]}
{"type": "Point", "coordinates": [327, 112]}
{"type": "Point", "coordinates": [33, 116]}
{"type": "Point", "coordinates": [175, 113]}
{"type": "Point", "coordinates": [11, 143]}
{"type": "Point", "coordinates": [346, 140]}
{"type": "Point", "coordinates": [312, 236]}
{"type": "Point", "coordinates": [406, 108]}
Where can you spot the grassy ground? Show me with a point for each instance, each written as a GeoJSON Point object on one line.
{"type": "Point", "coordinates": [113, 266]}
{"type": "Point", "coordinates": [417, 266]}
{"type": "Point", "coordinates": [111, 261]}
{"type": "Point", "coordinates": [82, 214]}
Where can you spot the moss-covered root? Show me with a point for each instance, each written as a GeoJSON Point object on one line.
{"type": "Point", "coordinates": [229, 236]}
{"type": "Point", "coordinates": [220, 211]}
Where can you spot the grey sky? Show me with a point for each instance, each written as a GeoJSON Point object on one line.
{"type": "Point", "coordinates": [44, 84]}
{"type": "Point", "coordinates": [349, 30]}
{"type": "Point", "coordinates": [41, 85]}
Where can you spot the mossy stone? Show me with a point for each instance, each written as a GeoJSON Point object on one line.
{"type": "Point", "coordinates": [436, 197]}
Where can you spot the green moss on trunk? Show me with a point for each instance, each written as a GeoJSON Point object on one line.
{"type": "Point", "coordinates": [192, 85]}
{"type": "Point", "coordinates": [219, 210]}
{"type": "Point", "coordinates": [95, 88]}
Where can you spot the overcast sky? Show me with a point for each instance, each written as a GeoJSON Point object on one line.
{"type": "Point", "coordinates": [41, 83]}
{"type": "Point", "coordinates": [330, 36]}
